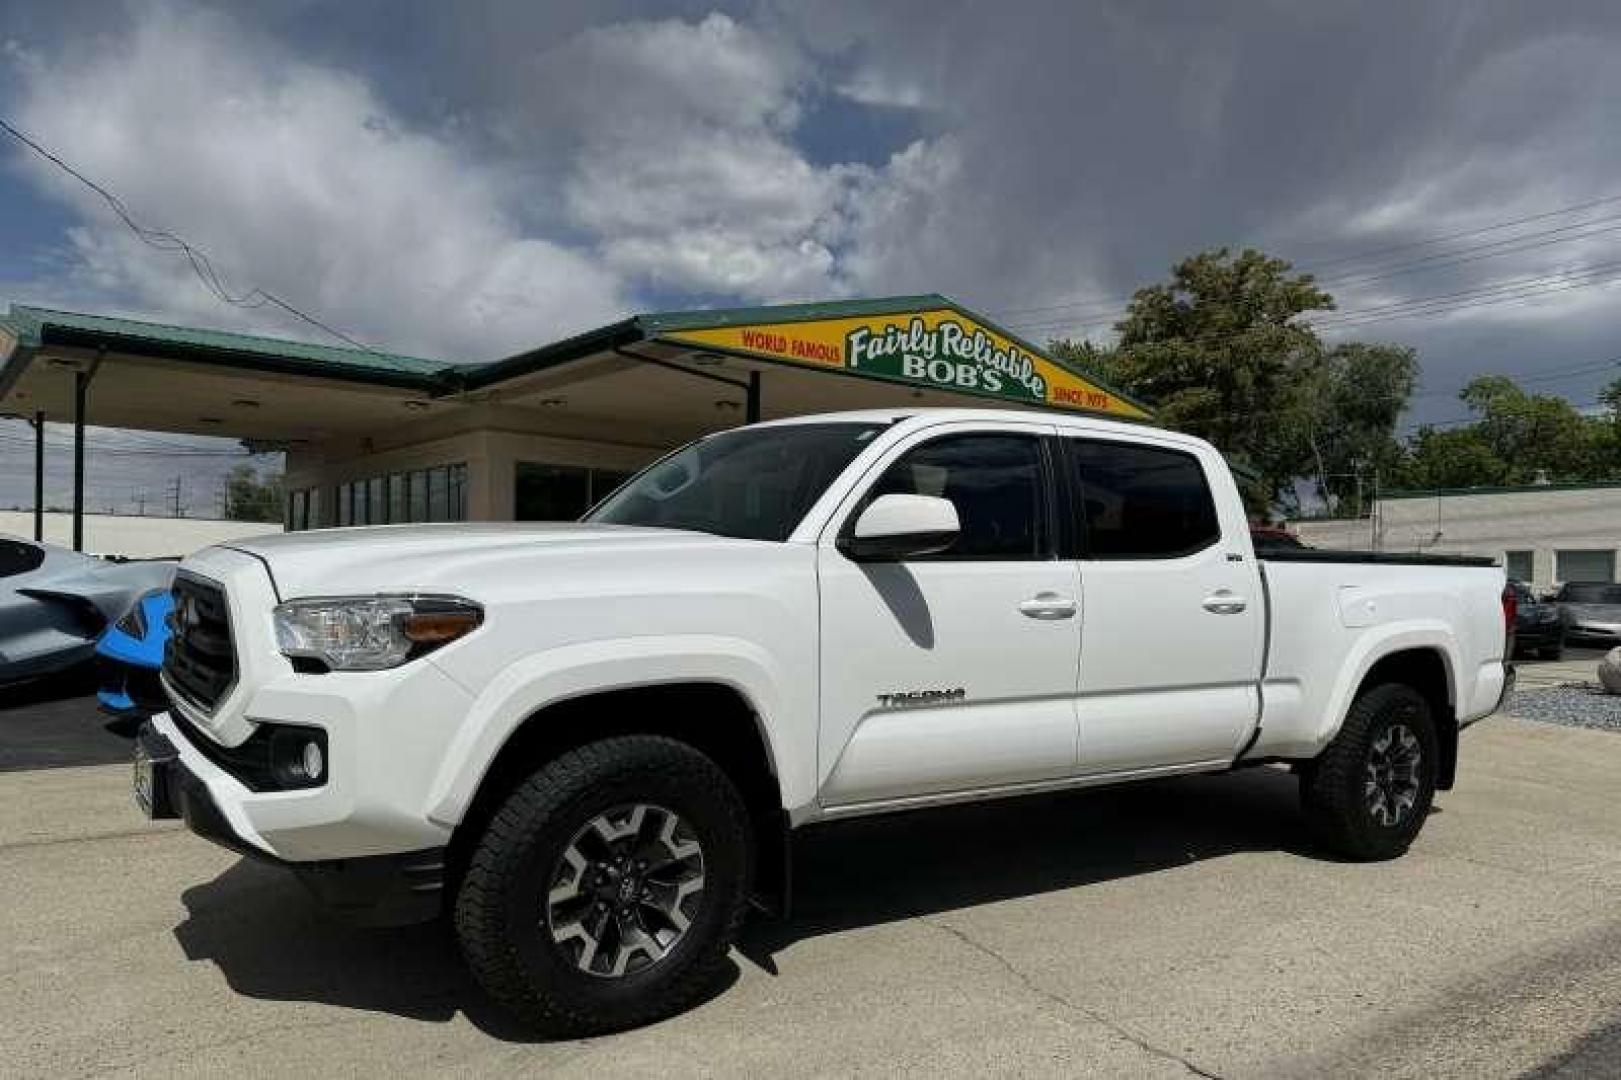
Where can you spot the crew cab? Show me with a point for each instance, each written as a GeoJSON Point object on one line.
{"type": "Point", "coordinates": [592, 744]}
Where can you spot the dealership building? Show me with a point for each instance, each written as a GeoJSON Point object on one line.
{"type": "Point", "coordinates": [375, 438]}
{"type": "Point", "coordinates": [1544, 534]}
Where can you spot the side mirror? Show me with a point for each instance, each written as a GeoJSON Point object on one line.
{"type": "Point", "coordinates": [896, 527]}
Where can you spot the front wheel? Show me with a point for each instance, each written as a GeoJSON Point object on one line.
{"type": "Point", "coordinates": [1367, 795]}
{"type": "Point", "coordinates": [606, 890]}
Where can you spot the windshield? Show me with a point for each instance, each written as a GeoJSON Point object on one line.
{"type": "Point", "coordinates": [752, 483]}
{"type": "Point", "coordinates": [1590, 592]}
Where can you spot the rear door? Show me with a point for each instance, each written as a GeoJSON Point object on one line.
{"type": "Point", "coordinates": [1172, 639]}
{"type": "Point", "coordinates": [952, 672]}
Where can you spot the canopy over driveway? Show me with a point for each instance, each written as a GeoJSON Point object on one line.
{"type": "Point", "coordinates": [656, 379]}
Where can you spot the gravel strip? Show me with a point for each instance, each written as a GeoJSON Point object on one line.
{"type": "Point", "coordinates": [1573, 704]}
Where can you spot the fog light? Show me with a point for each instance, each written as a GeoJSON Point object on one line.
{"type": "Point", "coordinates": [297, 756]}
{"type": "Point", "coordinates": [314, 760]}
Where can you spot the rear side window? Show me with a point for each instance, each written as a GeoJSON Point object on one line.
{"type": "Point", "coordinates": [996, 483]}
{"type": "Point", "coordinates": [17, 557]}
{"type": "Point", "coordinates": [1140, 502]}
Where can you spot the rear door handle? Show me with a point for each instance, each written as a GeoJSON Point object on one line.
{"type": "Point", "coordinates": [1225, 602]}
{"type": "Point", "coordinates": [1048, 605]}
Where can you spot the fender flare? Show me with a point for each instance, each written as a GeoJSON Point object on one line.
{"type": "Point", "coordinates": [1376, 644]}
{"type": "Point", "coordinates": [535, 682]}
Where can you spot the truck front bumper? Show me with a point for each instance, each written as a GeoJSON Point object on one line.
{"type": "Point", "coordinates": [374, 890]}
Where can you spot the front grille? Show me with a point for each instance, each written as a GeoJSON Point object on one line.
{"type": "Point", "coordinates": [198, 660]}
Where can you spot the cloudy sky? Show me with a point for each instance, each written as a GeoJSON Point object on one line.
{"type": "Point", "coordinates": [463, 180]}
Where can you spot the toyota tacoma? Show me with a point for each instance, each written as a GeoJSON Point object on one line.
{"type": "Point", "coordinates": [591, 745]}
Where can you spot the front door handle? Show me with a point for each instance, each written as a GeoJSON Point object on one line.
{"type": "Point", "coordinates": [1225, 602]}
{"type": "Point", "coordinates": [1048, 605]}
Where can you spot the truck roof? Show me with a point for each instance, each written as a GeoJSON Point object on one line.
{"type": "Point", "coordinates": [1094, 424]}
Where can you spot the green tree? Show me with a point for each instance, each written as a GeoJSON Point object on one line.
{"type": "Point", "coordinates": [1532, 433]}
{"type": "Point", "coordinates": [1355, 395]}
{"type": "Point", "coordinates": [1455, 458]}
{"type": "Point", "coordinates": [1221, 352]}
{"type": "Point", "coordinates": [1517, 438]}
{"type": "Point", "coordinates": [250, 496]}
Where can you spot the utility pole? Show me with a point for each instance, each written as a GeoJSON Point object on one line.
{"type": "Point", "coordinates": [1377, 519]}
{"type": "Point", "coordinates": [176, 496]}
{"type": "Point", "coordinates": [39, 474]}
{"type": "Point", "coordinates": [140, 502]}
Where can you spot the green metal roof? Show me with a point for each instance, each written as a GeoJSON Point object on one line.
{"type": "Point", "coordinates": [656, 324]}
{"type": "Point", "coordinates": [36, 327]}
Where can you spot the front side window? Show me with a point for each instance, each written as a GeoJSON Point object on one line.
{"type": "Point", "coordinates": [752, 483]}
{"type": "Point", "coordinates": [995, 481]}
{"type": "Point", "coordinates": [1141, 502]}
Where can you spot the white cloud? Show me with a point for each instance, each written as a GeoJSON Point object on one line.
{"type": "Point", "coordinates": [298, 180]}
{"type": "Point", "coordinates": [686, 169]}
{"type": "Point", "coordinates": [881, 88]}
{"type": "Point", "coordinates": [664, 150]}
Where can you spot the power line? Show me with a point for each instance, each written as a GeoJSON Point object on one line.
{"type": "Point", "coordinates": [164, 240]}
{"type": "Point", "coordinates": [1469, 232]}
{"type": "Point", "coordinates": [1512, 293]}
{"type": "Point", "coordinates": [1382, 271]}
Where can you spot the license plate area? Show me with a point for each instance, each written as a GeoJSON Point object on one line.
{"type": "Point", "coordinates": [152, 781]}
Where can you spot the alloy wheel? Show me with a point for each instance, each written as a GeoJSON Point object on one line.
{"type": "Point", "coordinates": [1391, 784]}
{"type": "Point", "coordinates": [624, 891]}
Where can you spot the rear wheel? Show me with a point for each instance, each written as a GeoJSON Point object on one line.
{"type": "Point", "coordinates": [1367, 795]}
{"type": "Point", "coordinates": [1553, 652]}
{"type": "Point", "coordinates": [606, 890]}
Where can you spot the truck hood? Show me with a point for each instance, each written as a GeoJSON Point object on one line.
{"type": "Point", "coordinates": [403, 558]}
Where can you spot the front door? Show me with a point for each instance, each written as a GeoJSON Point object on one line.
{"type": "Point", "coordinates": [953, 672]}
{"type": "Point", "coordinates": [1171, 645]}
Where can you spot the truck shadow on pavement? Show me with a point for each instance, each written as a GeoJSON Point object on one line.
{"type": "Point", "coordinates": [907, 865]}
{"type": "Point", "coordinates": [270, 941]}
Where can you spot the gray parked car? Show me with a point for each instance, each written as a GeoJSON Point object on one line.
{"type": "Point", "coordinates": [54, 603]}
{"type": "Point", "coordinates": [1591, 612]}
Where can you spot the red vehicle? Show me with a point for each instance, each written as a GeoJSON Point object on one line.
{"type": "Point", "coordinates": [1274, 538]}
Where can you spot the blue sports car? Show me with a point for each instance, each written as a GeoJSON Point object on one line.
{"type": "Point", "coordinates": [129, 655]}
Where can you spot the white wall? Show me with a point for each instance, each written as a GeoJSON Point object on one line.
{"type": "Point", "coordinates": [137, 537]}
{"type": "Point", "coordinates": [1492, 523]}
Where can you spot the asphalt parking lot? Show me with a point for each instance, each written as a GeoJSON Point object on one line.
{"type": "Point", "coordinates": [1170, 929]}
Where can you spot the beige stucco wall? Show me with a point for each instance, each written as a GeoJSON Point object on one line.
{"type": "Point", "coordinates": [1542, 521]}
{"type": "Point", "coordinates": [491, 440]}
{"type": "Point", "coordinates": [137, 537]}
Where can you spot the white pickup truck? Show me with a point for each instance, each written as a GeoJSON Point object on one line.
{"type": "Point", "coordinates": [592, 743]}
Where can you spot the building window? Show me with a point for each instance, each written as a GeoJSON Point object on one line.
{"type": "Point", "coordinates": [559, 492]}
{"type": "Point", "coordinates": [1584, 565]}
{"type": "Point", "coordinates": [434, 494]}
{"type": "Point", "coordinates": [1518, 565]}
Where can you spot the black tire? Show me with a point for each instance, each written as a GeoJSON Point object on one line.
{"type": "Point", "coordinates": [1555, 651]}
{"type": "Point", "coordinates": [504, 915]}
{"type": "Point", "coordinates": [1337, 789]}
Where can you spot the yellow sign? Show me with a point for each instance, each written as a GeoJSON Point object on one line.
{"type": "Point", "coordinates": [941, 349]}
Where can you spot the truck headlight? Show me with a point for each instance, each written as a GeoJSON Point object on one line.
{"type": "Point", "coordinates": [370, 633]}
